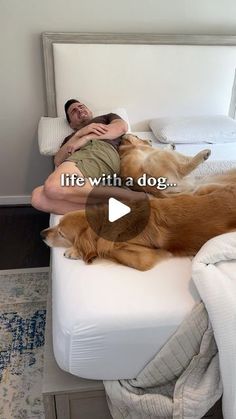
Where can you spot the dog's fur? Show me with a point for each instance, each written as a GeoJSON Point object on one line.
{"type": "Point", "coordinates": [177, 225]}
{"type": "Point", "coordinates": [211, 183]}
{"type": "Point", "coordinates": [137, 157]}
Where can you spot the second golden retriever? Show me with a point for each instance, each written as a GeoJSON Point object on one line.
{"type": "Point", "coordinates": [177, 225]}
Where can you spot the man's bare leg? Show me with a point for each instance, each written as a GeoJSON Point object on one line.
{"type": "Point", "coordinates": [43, 203]}
{"type": "Point", "coordinates": [52, 197]}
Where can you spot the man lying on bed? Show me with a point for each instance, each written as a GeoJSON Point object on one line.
{"type": "Point", "coordinates": [89, 152]}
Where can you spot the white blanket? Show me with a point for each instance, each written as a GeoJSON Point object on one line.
{"type": "Point", "coordinates": [182, 381]}
{"type": "Point", "coordinates": [214, 274]}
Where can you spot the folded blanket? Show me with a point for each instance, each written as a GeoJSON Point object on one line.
{"type": "Point", "coordinates": [214, 274]}
{"type": "Point", "coordinates": [182, 381]}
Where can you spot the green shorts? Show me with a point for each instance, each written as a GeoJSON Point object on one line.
{"type": "Point", "coordinates": [96, 158]}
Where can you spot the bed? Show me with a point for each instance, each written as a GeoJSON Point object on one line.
{"type": "Point", "coordinates": [109, 320]}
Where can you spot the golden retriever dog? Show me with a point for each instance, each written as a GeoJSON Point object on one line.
{"type": "Point", "coordinates": [177, 225]}
{"type": "Point", "coordinates": [138, 157]}
{"type": "Point", "coordinates": [211, 183]}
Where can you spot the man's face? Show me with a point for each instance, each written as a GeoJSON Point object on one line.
{"type": "Point", "coordinates": [78, 113]}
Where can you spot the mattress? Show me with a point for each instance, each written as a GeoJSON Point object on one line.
{"type": "Point", "coordinates": [110, 320]}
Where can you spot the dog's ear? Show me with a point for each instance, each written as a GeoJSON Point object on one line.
{"type": "Point", "coordinates": [86, 243]}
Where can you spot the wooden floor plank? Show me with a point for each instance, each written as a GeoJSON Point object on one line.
{"type": "Point", "coordinates": [21, 245]}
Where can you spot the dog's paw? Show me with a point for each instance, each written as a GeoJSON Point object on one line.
{"type": "Point", "coordinates": [71, 253]}
{"type": "Point", "coordinates": [206, 154]}
{"type": "Point", "coordinates": [171, 146]}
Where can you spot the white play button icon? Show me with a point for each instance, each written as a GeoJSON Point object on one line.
{"type": "Point", "coordinates": [116, 209]}
{"type": "Point", "coordinates": [115, 220]}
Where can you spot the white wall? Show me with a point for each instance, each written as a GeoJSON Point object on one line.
{"type": "Point", "coordinates": [21, 68]}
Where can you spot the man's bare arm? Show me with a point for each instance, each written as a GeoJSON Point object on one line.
{"type": "Point", "coordinates": [115, 129]}
{"type": "Point", "coordinates": [93, 128]}
{"type": "Point", "coordinates": [62, 154]}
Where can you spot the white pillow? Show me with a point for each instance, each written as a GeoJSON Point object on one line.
{"type": "Point", "coordinates": [196, 129]}
{"type": "Point", "coordinates": [52, 131]}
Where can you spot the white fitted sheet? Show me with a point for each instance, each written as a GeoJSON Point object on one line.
{"type": "Point", "coordinates": [110, 320]}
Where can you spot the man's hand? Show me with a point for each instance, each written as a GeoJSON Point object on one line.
{"type": "Point", "coordinates": [76, 144]}
{"type": "Point", "coordinates": [115, 129]}
{"type": "Point", "coordinates": [93, 128]}
{"type": "Point", "coordinates": [70, 147]}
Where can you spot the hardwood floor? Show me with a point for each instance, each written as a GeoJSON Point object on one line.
{"type": "Point", "coordinates": [21, 245]}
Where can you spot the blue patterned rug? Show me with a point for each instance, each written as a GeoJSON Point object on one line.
{"type": "Point", "coordinates": [23, 295]}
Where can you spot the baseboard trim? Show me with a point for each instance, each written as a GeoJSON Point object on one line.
{"type": "Point", "coordinates": [24, 270]}
{"type": "Point", "coordinates": [15, 200]}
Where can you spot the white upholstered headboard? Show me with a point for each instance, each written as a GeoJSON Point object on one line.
{"type": "Point", "coordinates": [149, 75]}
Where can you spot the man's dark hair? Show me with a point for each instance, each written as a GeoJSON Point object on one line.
{"type": "Point", "coordinates": [67, 105]}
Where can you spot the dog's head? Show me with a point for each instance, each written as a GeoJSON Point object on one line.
{"type": "Point", "coordinates": [133, 140]}
{"type": "Point", "coordinates": [73, 230]}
